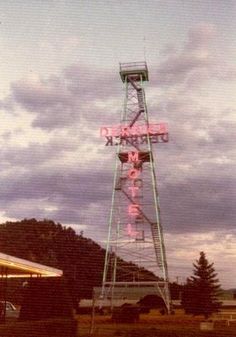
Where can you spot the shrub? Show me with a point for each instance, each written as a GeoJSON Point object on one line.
{"type": "Point", "coordinates": [45, 298]}
{"type": "Point", "coordinates": [127, 313]}
{"type": "Point", "coordinates": [149, 302]}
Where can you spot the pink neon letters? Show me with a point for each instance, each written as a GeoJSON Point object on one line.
{"type": "Point", "coordinates": [130, 231]}
{"type": "Point", "coordinates": [133, 190]}
{"type": "Point", "coordinates": [133, 157]}
{"type": "Point", "coordinates": [136, 130]}
{"type": "Point", "coordinates": [133, 174]}
{"type": "Point", "coordinates": [133, 209]}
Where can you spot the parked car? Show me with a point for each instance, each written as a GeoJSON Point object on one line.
{"type": "Point", "coordinates": [11, 310]}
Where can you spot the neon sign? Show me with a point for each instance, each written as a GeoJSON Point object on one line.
{"type": "Point", "coordinates": [126, 135]}
{"type": "Point", "coordinates": [135, 130]}
{"type": "Point", "coordinates": [134, 209]}
{"type": "Point", "coordinates": [131, 232]}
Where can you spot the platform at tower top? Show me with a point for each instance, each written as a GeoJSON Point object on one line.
{"type": "Point", "coordinates": [134, 68]}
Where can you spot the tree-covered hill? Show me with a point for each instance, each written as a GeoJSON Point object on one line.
{"type": "Point", "coordinates": [46, 242]}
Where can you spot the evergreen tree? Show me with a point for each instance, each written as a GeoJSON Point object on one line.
{"type": "Point", "coordinates": [200, 295]}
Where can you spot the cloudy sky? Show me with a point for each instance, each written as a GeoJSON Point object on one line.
{"type": "Point", "coordinates": [60, 82]}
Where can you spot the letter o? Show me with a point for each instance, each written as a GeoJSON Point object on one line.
{"type": "Point", "coordinates": [133, 173]}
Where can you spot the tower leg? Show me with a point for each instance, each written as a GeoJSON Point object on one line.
{"type": "Point", "coordinates": [135, 228]}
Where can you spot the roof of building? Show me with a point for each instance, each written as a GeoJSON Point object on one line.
{"type": "Point", "coordinates": [128, 292]}
{"type": "Point", "coordinates": [14, 267]}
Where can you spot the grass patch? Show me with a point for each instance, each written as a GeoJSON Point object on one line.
{"type": "Point", "coordinates": [57, 327]}
{"type": "Point", "coordinates": [153, 325]}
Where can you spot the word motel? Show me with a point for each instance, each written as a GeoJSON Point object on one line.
{"type": "Point", "coordinates": [133, 176]}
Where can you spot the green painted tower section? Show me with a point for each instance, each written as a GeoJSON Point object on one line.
{"type": "Point", "coordinates": [135, 229]}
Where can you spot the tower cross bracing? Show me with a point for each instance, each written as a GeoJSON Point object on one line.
{"type": "Point", "coordinates": [135, 228]}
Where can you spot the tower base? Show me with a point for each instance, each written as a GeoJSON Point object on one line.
{"type": "Point", "coordinates": [118, 293]}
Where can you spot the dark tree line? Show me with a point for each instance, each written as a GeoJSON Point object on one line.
{"type": "Point", "coordinates": [52, 244]}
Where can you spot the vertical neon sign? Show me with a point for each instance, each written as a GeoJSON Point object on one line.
{"type": "Point", "coordinates": [133, 175]}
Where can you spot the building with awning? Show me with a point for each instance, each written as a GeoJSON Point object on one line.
{"type": "Point", "coordinates": [14, 267]}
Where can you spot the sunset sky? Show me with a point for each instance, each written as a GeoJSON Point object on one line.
{"type": "Point", "coordinates": [60, 82]}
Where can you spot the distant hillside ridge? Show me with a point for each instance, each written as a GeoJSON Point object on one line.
{"type": "Point", "coordinates": [55, 245]}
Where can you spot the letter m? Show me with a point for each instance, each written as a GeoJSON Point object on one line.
{"type": "Point", "coordinates": [133, 157]}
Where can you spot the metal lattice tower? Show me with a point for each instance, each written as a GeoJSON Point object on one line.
{"type": "Point", "coordinates": [135, 229]}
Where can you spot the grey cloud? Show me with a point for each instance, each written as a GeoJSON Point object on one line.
{"type": "Point", "coordinates": [227, 74]}
{"type": "Point", "coordinates": [36, 154]}
{"type": "Point", "coordinates": [175, 66]}
{"type": "Point", "coordinates": [37, 95]}
{"type": "Point", "coordinates": [50, 100]}
{"type": "Point", "coordinates": [222, 138]}
{"type": "Point", "coordinates": [61, 101]}
{"type": "Point", "coordinates": [190, 200]}
{"type": "Point", "coordinates": [92, 83]}
{"type": "Point", "coordinates": [193, 199]}
{"type": "Point", "coordinates": [200, 36]}
{"type": "Point", "coordinates": [198, 58]}
{"type": "Point", "coordinates": [198, 205]}
{"type": "Point", "coordinates": [194, 129]}
{"type": "Point", "coordinates": [56, 183]}
{"type": "Point", "coordinates": [7, 104]}
{"type": "Point", "coordinates": [67, 189]}
{"type": "Point", "coordinates": [196, 174]}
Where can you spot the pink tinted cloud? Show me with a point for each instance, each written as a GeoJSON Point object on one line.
{"type": "Point", "coordinates": [200, 56]}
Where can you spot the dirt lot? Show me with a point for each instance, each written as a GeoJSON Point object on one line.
{"type": "Point", "coordinates": [153, 325]}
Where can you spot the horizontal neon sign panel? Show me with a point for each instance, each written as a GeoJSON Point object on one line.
{"type": "Point", "coordinates": [135, 130]}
